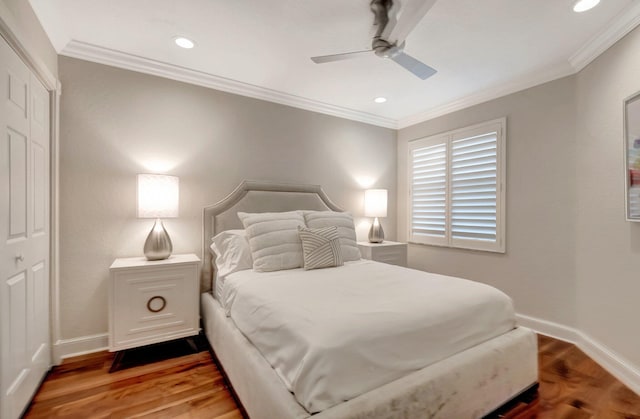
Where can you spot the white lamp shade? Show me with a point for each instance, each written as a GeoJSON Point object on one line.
{"type": "Point", "coordinates": [375, 203]}
{"type": "Point", "coordinates": [158, 196]}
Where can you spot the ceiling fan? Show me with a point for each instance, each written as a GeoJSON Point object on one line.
{"type": "Point", "coordinates": [394, 23]}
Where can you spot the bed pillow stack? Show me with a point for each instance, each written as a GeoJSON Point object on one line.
{"type": "Point", "coordinates": [295, 239]}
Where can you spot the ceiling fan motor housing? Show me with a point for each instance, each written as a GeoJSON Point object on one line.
{"type": "Point", "coordinates": [384, 49]}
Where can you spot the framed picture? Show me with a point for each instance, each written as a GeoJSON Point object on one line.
{"type": "Point", "coordinates": [632, 155]}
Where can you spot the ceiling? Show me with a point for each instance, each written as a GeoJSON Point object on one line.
{"type": "Point", "coordinates": [481, 49]}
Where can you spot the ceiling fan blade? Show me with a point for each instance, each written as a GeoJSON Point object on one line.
{"type": "Point", "coordinates": [338, 57]}
{"type": "Point", "coordinates": [418, 68]}
{"type": "Point", "coordinates": [402, 22]}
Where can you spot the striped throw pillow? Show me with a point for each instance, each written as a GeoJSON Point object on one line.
{"type": "Point", "coordinates": [320, 247]}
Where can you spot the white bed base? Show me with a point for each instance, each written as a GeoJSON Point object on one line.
{"type": "Point", "coordinates": [469, 384]}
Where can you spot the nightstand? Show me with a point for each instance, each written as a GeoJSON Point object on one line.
{"type": "Point", "coordinates": [153, 301]}
{"type": "Point", "coordinates": [390, 252]}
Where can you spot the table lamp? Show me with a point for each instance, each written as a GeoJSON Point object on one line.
{"type": "Point", "coordinates": [375, 205]}
{"type": "Point", "coordinates": [158, 198]}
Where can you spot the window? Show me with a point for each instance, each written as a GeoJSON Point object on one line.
{"type": "Point", "coordinates": [457, 194]}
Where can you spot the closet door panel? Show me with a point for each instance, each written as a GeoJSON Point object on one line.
{"type": "Point", "coordinates": [25, 350]}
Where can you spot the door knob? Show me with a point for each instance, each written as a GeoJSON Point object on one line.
{"type": "Point", "coordinates": [20, 258]}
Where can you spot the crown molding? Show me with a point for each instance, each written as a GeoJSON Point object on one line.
{"type": "Point", "coordinates": [94, 53]}
{"type": "Point", "coordinates": [614, 31]}
{"type": "Point", "coordinates": [621, 25]}
{"type": "Point", "coordinates": [498, 91]}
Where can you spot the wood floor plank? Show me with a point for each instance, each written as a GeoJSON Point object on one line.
{"type": "Point", "coordinates": [572, 386]}
{"type": "Point", "coordinates": [95, 378]}
{"type": "Point", "coordinates": [144, 389]}
{"type": "Point", "coordinates": [215, 404]}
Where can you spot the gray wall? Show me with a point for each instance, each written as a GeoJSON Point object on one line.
{"type": "Point", "coordinates": [571, 258]}
{"type": "Point", "coordinates": [607, 246]}
{"type": "Point", "coordinates": [117, 123]}
{"type": "Point", "coordinates": [537, 270]}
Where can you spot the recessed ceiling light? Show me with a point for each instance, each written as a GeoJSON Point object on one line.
{"type": "Point", "coordinates": [380, 99]}
{"type": "Point", "coordinates": [584, 5]}
{"type": "Point", "coordinates": [183, 42]}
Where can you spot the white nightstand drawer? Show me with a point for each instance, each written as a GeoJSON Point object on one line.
{"type": "Point", "coordinates": [387, 252]}
{"type": "Point", "coordinates": [392, 255]}
{"type": "Point", "coordinates": [152, 303]}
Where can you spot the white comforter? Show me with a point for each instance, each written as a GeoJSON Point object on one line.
{"type": "Point", "coordinates": [332, 334]}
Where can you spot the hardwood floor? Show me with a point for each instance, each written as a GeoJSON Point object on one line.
{"type": "Point", "coordinates": [573, 386]}
{"type": "Point", "coordinates": [174, 386]}
{"type": "Point", "coordinates": [170, 381]}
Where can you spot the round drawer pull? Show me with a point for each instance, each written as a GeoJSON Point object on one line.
{"type": "Point", "coordinates": [163, 304]}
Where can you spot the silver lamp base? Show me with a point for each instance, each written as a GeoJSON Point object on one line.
{"type": "Point", "coordinates": [158, 245]}
{"type": "Point", "coordinates": [376, 233]}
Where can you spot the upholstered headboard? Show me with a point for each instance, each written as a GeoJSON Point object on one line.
{"type": "Point", "coordinates": [255, 196]}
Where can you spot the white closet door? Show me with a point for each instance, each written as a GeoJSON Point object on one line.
{"type": "Point", "coordinates": [25, 353]}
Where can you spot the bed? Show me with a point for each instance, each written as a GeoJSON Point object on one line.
{"type": "Point", "coordinates": [472, 379]}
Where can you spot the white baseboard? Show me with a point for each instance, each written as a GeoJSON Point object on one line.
{"type": "Point", "coordinates": [618, 366]}
{"type": "Point", "coordinates": [66, 348]}
{"type": "Point", "coordinates": [545, 327]}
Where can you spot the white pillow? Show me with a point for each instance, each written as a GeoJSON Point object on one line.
{"type": "Point", "coordinates": [232, 252]}
{"type": "Point", "coordinates": [273, 238]}
{"type": "Point", "coordinates": [346, 230]}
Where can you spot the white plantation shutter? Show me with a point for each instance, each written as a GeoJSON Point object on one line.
{"type": "Point", "coordinates": [473, 187]}
{"type": "Point", "coordinates": [457, 193]}
{"type": "Point", "coordinates": [429, 190]}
